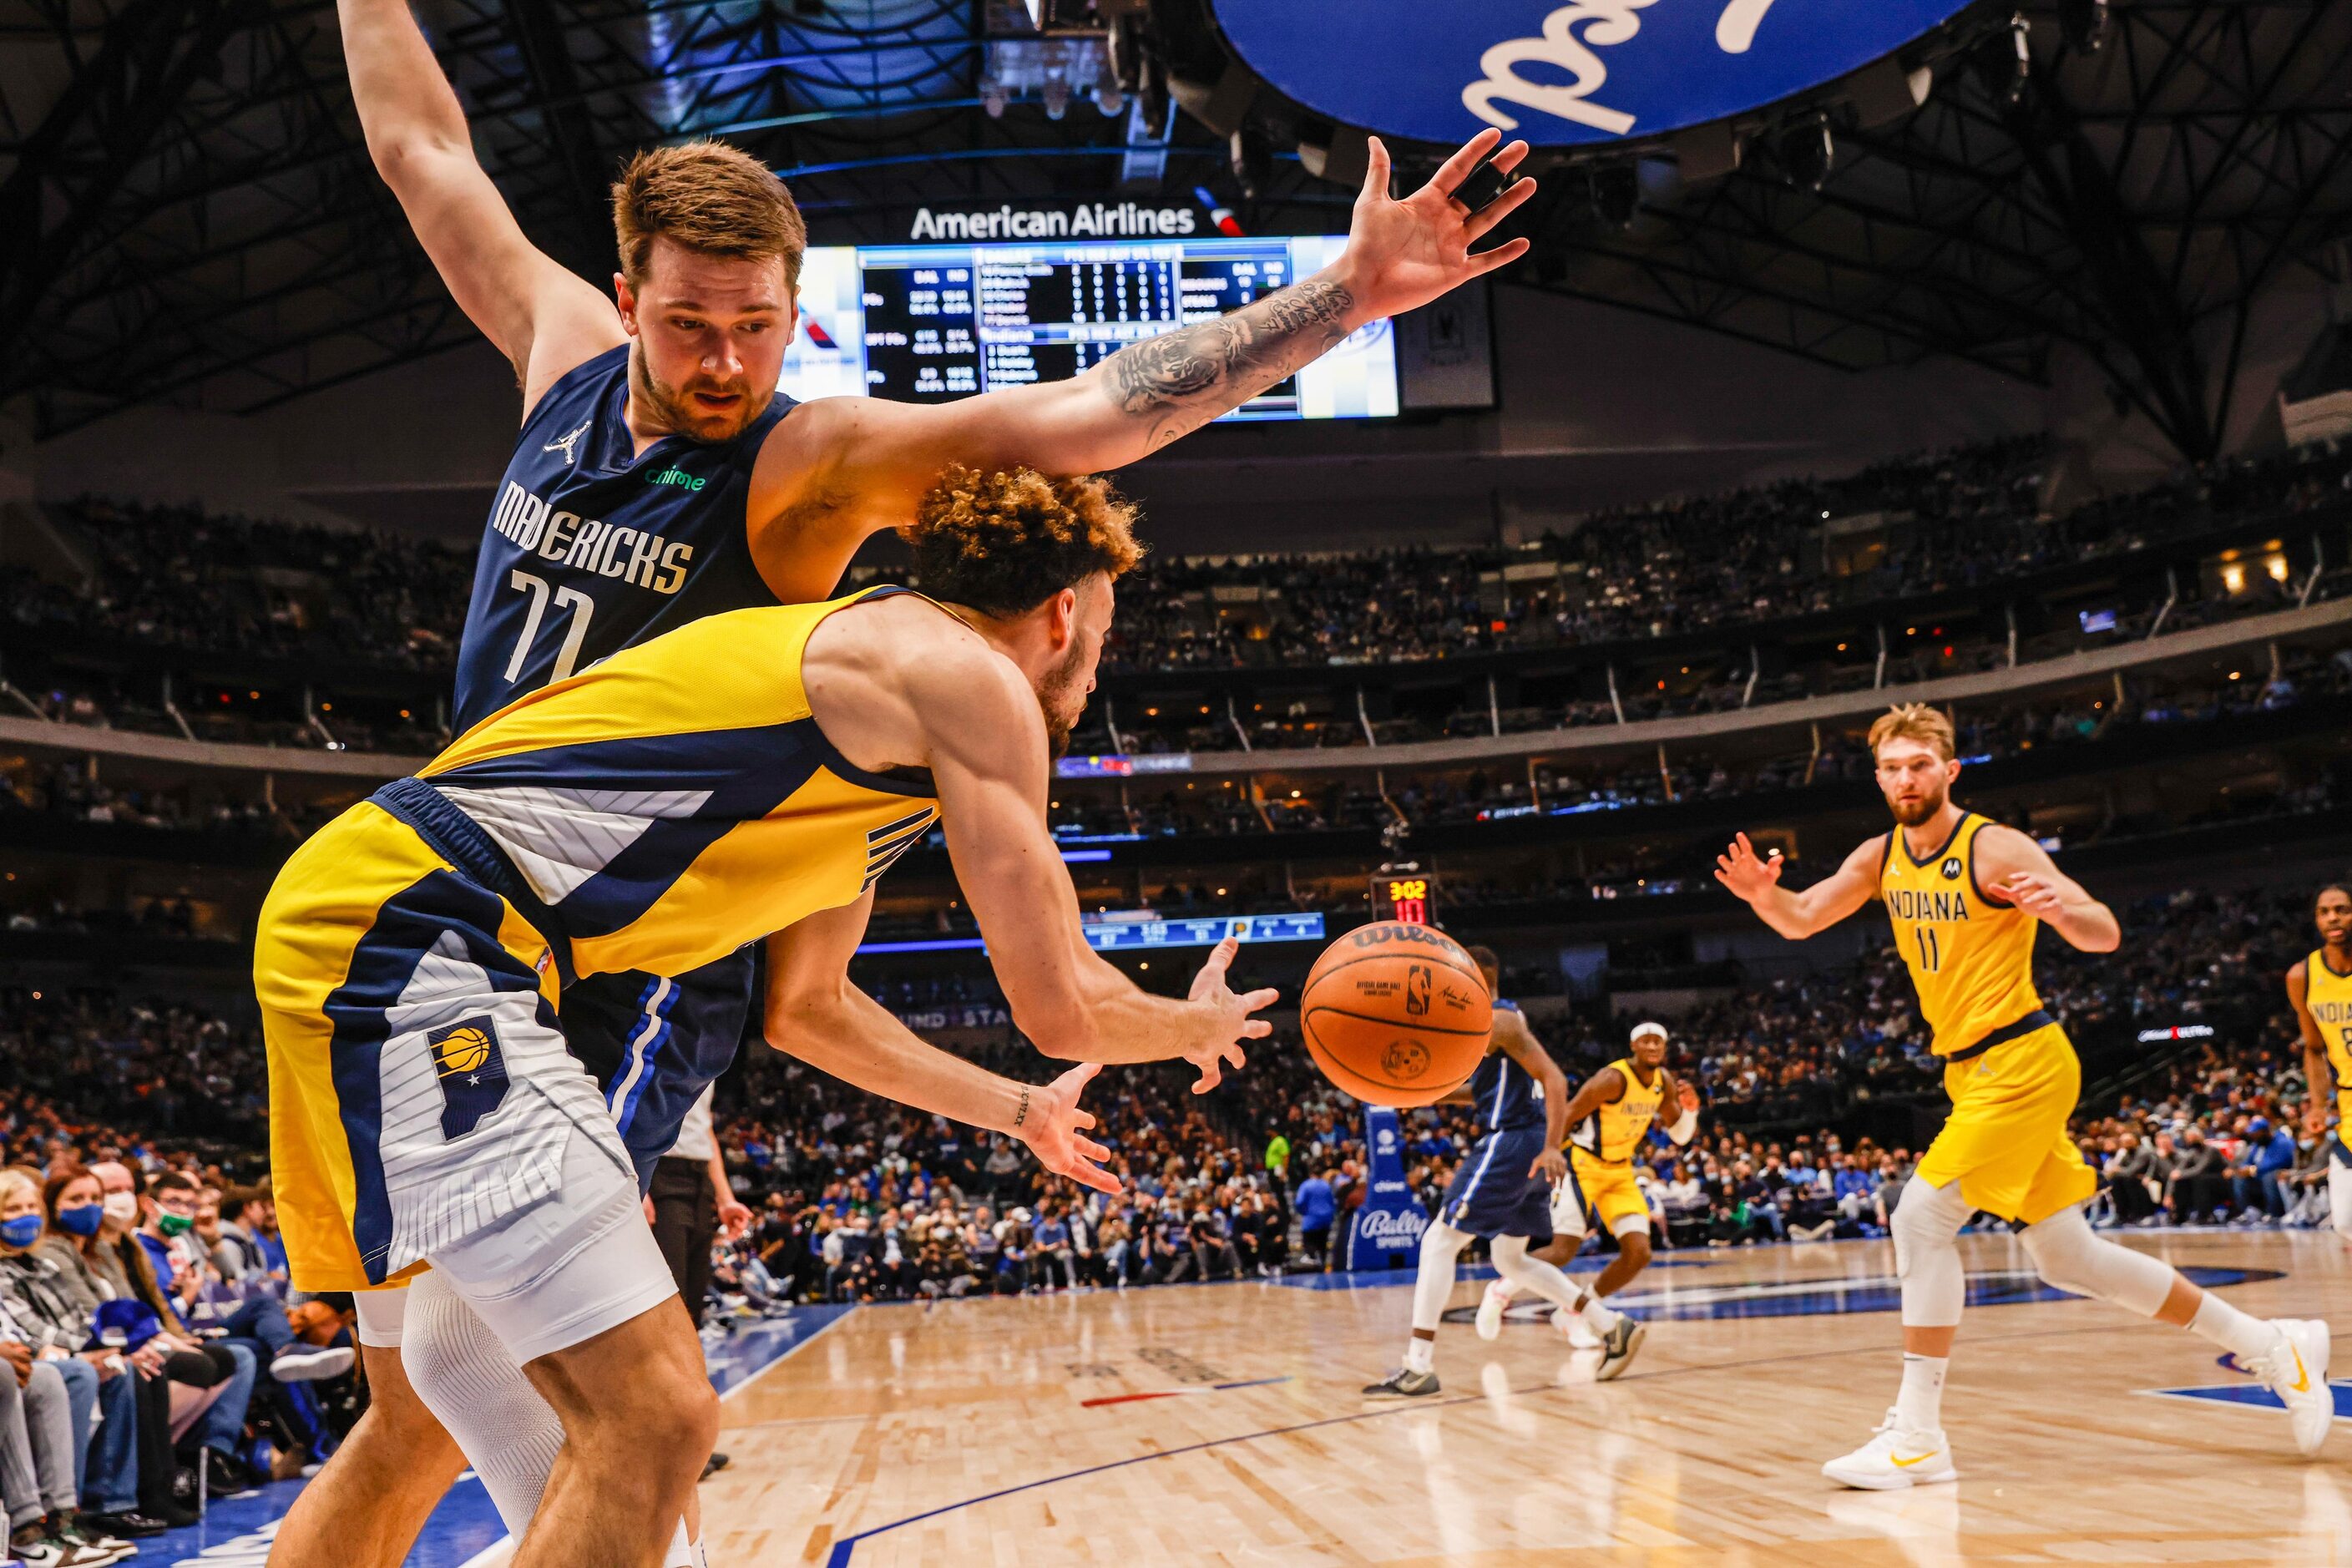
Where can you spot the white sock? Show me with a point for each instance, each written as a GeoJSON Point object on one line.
{"type": "Point", "coordinates": [1919, 1405]}
{"type": "Point", "coordinates": [2233, 1330]}
{"type": "Point", "coordinates": [1597, 1316]}
{"type": "Point", "coordinates": [682, 1552]}
{"type": "Point", "coordinates": [1420, 1354]}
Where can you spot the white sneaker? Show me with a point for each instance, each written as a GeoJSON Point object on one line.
{"type": "Point", "coordinates": [1580, 1333]}
{"type": "Point", "coordinates": [2295, 1369]}
{"type": "Point", "coordinates": [1490, 1310]}
{"type": "Point", "coordinates": [1894, 1459]}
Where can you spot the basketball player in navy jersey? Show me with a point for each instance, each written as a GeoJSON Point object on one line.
{"type": "Point", "coordinates": [1503, 1189]}
{"type": "Point", "coordinates": [659, 477]}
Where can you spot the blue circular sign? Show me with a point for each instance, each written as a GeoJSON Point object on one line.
{"type": "Point", "coordinates": [1561, 75]}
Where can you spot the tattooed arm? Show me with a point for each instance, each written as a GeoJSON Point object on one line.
{"type": "Point", "coordinates": [852, 466]}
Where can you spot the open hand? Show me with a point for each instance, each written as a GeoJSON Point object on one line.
{"type": "Point", "coordinates": [1686, 1096]}
{"type": "Point", "coordinates": [1403, 254]}
{"type": "Point", "coordinates": [1551, 1166]}
{"type": "Point", "coordinates": [1749, 875]}
{"type": "Point", "coordinates": [2034, 895]}
{"type": "Point", "coordinates": [1229, 1020]}
{"type": "Point", "coordinates": [1051, 1123]}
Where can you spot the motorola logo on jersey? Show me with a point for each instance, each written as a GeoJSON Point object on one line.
{"type": "Point", "coordinates": [567, 539]}
{"type": "Point", "coordinates": [1559, 75]}
{"type": "Point", "coordinates": [1952, 869]}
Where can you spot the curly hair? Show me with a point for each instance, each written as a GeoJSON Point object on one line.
{"type": "Point", "coordinates": [709, 198]}
{"type": "Point", "coordinates": [1004, 543]}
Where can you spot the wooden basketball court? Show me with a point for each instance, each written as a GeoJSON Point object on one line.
{"type": "Point", "coordinates": [1222, 1424]}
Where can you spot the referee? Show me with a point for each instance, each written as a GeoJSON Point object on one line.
{"type": "Point", "coordinates": [690, 1201]}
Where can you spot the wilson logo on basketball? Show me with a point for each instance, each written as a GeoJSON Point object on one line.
{"type": "Point", "coordinates": [1405, 1059]}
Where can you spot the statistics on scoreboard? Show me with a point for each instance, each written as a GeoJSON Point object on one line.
{"type": "Point", "coordinates": [930, 323]}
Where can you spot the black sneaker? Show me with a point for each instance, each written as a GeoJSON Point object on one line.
{"type": "Point", "coordinates": [132, 1526]}
{"type": "Point", "coordinates": [713, 1465]}
{"type": "Point", "coordinates": [1617, 1348]}
{"type": "Point", "coordinates": [1402, 1383]}
{"type": "Point", "coordinates": [225, 1474]}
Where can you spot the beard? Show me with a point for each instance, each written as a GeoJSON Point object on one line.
{"type": "Point", "coordinates": [1913, 813]}
{"type": "Point", "coordinates": [1054, 701]}
{"type": "Point", "coordinates": [673, 409]}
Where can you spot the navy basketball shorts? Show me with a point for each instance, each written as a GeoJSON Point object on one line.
{"type": "Point", "coordinates": [1492, 1193]}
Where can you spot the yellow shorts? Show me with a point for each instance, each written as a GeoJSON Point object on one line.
{"type": "Point", "coordinates": [419, 1086]}
{"type": "Point", "coordinates": [2006, 1142]}
{"type": "Point", "coordinates": [1595, 1186]}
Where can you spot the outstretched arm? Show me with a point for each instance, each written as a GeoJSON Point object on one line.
{"type": "Point", "coordinates": [2013, 868]}
{"type": "Point", "coordinates": [543, 318]}
{"type": "Point", "coordinates": [1757, 879]}
{"type": "Point", "coordinates": [875, 458]}
{"type": "Point", "coordinates": [812, 1012]}
{"type": "Point", "coordinates": [987, 756]}
{"type": "Point", "coordinates": [1606, 1087]}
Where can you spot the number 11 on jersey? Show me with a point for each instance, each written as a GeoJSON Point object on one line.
{"type": "Point", "coordinates": [1931, 951]}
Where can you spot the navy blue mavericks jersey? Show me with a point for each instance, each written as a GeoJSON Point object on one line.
{"type": "Point", "coordinates": [1508, 1100]}
{"type": "Point", "coordinates": [591, 549]}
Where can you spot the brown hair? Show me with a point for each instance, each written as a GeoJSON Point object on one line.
{"type": "Point", "coordinates": [1004, 543]}
{"type": "Point", "coordinates": [1915, 722]}
{"type": "Point", "coordinates": [709, 198]}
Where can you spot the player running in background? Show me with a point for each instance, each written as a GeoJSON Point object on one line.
{"type": "Point", "coordinates": [1501, 1191]}
{"type": "Point", "coordinates": [2319, 989]}
{"type": "Point", "coordinates": [1964, 896]}
{"type": "Point", "coordinates": [1607, 1121]}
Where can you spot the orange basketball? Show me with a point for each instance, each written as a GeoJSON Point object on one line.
{"type": "Point", "coordinates": [1396, 1013]}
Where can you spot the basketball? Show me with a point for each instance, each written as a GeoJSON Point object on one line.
{"type": "Point", "coordinates": [1396, 1015]}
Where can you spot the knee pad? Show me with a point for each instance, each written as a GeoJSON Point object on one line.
{"type": "Point", "coordinates": [2067, 1254]}
{"type": "Point", "coordinates": [478, 1391]}
{"type": "Point", "coordinates": [1925, 1222]}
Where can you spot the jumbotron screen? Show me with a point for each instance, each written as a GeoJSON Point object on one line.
{"type": "Point", "coordinates": [930, 323]}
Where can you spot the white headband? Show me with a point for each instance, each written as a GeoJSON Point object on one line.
{"type": "Point", "coordinates": [1649, 1028]}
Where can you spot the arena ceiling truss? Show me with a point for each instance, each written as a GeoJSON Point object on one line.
{"type": "Point", "coordinates": [189, 213]}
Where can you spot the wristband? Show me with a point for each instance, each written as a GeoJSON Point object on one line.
{"type": "Point", "coordinates": [1683, 1128]}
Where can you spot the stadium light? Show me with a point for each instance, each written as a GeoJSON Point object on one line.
{"type": "Point", "coordinates": [2082, 24]}
{"type": "Point", "coordinates": [1807, 151]}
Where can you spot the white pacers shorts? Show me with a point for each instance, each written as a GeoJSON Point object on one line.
{"type": "Point", "coordinates": [553, 1274]}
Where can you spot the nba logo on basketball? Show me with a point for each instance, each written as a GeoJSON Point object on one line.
{"type": "Point", "coordinates": [1416, 991]}
{"type": "Point", "coordinates": [473, 1074]}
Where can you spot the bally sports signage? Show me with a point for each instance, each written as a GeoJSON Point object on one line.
{"type": "Point", "coordinates": [1596, 70]}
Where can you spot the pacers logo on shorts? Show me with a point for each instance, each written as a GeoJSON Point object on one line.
{"type": "Point", "coordinates": [472, 1072]}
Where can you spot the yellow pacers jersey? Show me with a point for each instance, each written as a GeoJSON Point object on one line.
{"type": "Point", "coordinates": [671, 803]}
{"type": "Point", "coordinates": [1612, 1132]}
{"type": "Point", "coordinates": [1971, 958]}
{"type": "Point", "coordinates": [2328, 995]}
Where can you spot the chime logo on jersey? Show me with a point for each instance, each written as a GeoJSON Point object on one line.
{"type": "Point", "coordinates": [472, 1072]}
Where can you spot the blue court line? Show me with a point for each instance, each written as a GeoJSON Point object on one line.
{"type": "Point", "coordinates": [2249, 1394]}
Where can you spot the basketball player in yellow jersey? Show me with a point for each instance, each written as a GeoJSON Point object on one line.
{"type": "Point", "coordinates": [751, 772]}
{"type": "Point", "coordinates": [2319, 989]}
{"type": "Point", "coordinates": [1610, 1115]}
{"type": "Point", "coordinates": [1964, 896]}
